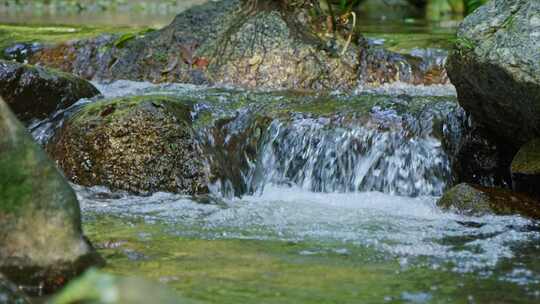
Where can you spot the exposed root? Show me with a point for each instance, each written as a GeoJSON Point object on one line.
{"type": "Point", "coordinates": [350, 35]}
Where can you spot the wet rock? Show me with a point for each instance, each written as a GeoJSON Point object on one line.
{"type": "Point", "coordinates": [526, 169]}
{"type": "Point", "coordinates": [478, 160]}
{"type": "Point", "coordinates": [98, 287]}
{"type": "Point", "coordinates": [233, 145]}
{"type": "Point", "coordinates": [35, 92]}
{"type": "Point", "coordinates": [496, 69]}
{"type": "Point", "coordinates": [41, 241]}
{"type": "Point", "coordinates": [139, 144]}
{"type": "Point", "coordinates": [222, 42]}
{"type": "Point", "coordinates": [476, 200]}
{"type": "Point", "coordinates": [20, 52]}
{"type": "Point", "coordinates": [10, 294]}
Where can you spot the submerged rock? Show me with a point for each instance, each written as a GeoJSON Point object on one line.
{"type": "Point", "coordinates": [98, 287]}
{"type": "Point", "coordinates": [223, 42]}
{"type": "Point", "coordinates": [526, 169]}
{"type": "Point", "coordinates": [496, 69]}
{"type": "Point", "coordinates": [139, 144]}
{"type": "Point", "coordinates": [10, 294]}
{"type": "Point", "coordinates": [476, 200]}
{"type": "Point", "coordinates": [34, 92]}
{"type": "Point", "coordinates": [41, 240]}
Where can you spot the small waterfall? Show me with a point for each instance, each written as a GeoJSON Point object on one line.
{"type": "Point", "coordinates": [408, 154]}
{"type": "Point", "coordinates": [392, 141]}
{"type": "Point", "coordinates": [322, 156]}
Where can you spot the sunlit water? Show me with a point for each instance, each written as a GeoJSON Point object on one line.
{"type": "Point", "coordinates": [406, 228]}
{"type": "Point", "coordinates": [382, 199]}
{"type": "Point", "coordinates": [400, 220]}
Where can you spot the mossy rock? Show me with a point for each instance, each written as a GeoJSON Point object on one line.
{"type": "Point", "coordinates": [99, 287]}
{"type": "Point", "coordinates": [527, 160]}
{"type": "Point", "coordinates": [37, 92]}
{"type": "Point", "coordinates": [41, 241]}
{"type": "Point", "coordinates": [495, 67]}
{"type": "Point", "coordinates": [526, 168]}
{"type": "Point", "coordinates": [139, 144]}
{"type": "Point", "coordinates": [475, 200]}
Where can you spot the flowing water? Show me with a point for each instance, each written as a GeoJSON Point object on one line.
{"type": "Point", "coordinates": [325, 198]}
{"type": "Point", "coordinates": [334, 203]}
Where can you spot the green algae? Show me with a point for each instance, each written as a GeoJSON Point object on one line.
{"type": "Point", "coordinates": [272, 271]}
{"type": "Point", "coordinates": [111, 109]}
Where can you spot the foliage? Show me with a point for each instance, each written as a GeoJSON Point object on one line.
{"type": "Point", "coordinates": [435, 9]}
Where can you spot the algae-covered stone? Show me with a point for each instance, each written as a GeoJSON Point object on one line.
{"type": "Point", "coordinates": [41, 240]}
{"type": "Point", "coordinates": [139, 144]}
{"type": "Point", "coordinates": [99, 287]}
{"type": "Point", "coordinates": [470, 199]}
{"type": "Point", "coordinates": [526, 168]}
{"type": "Point", "coordinates": [36, 92]}
{"type": "Point", "coordinates": [496, 69]}
{"type": "Point", "coordinates": [10, 294]}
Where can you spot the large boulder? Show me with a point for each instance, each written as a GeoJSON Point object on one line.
{"type": "Point", "coordinates": [496, 69]}
{"type": "Point", "coordinates": [34, 92]}
{"type": "Point", "coordinates": [526, 168]}
{"type": "Point", "coordinates": [223, 42]}
{"type": "Point", "coordinates": [140, 144]}
{"type": "Point", "coordinates": [473, 200]}
{"type": "Point", "coordinates": [41, 240]}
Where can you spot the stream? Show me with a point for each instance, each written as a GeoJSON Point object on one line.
{"type": "Point", "coordinates": [336, 203]}
{"type": "Point", "coordinates": [329, 209]}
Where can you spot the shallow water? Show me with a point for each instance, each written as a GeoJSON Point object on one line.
{"type": "Point", "coordinates": [365, 246]}
{"type": "Point", "coordinates": [291, 242]}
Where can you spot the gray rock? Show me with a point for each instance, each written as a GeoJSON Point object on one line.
{"type": "Point", "coordinates": [139, 144]}
{"type": "Point", "coordinates": [496, 69]}
{"type": "Point", "coordinates": [476, 200]}
{"type": "Point", "coordinates": [36, 92]}
{"type": "Point", "coordinates": [41, 240]}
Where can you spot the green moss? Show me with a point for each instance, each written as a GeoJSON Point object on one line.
{"type": "Point", "coordinates": [464, 45]}
{"type": "Point", "coordinates": [112, 109]}
{"type": "Point", "coordinates": [15, 179]}
{"type": "Point", "coordinates": [160, 56]}
{"type": "Point", "coordinates": [527, 160]}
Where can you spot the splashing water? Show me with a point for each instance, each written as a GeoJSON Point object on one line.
{"type": "Point", "coordinates": [322, 157]}
{"type": "Point", "coordinates": [367, 178]}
